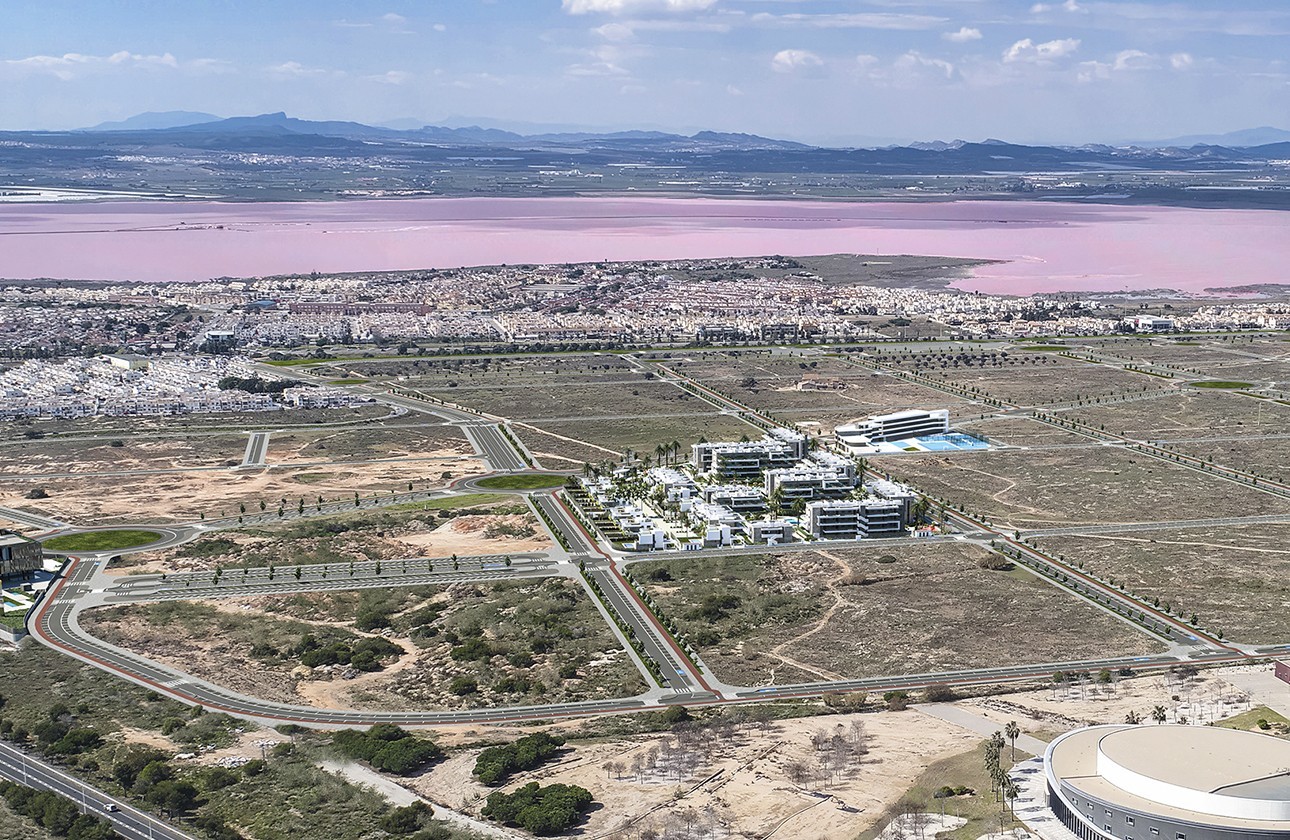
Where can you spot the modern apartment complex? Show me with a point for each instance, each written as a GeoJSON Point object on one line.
{"type": "Point", "coordinates": [18, 555]}
{"type": "Point", "coordinates": [897, 426]}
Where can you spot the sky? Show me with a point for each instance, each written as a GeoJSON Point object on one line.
{"type": "Point", "coordinates": [843, 72]}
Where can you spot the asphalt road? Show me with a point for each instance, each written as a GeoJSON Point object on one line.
{"type": "Point", "coordinates": [495, 447]}
{"type": "Point", "coordinates": [32, 520]}
{"type": "Point", "coordinates": [257, 447]}
{"type": "Point", "coordinates": [678, 675]}
{"type": "Point", "coordinates": [53, 623]}
{"type": "Point", "coordinates": [130, 823]}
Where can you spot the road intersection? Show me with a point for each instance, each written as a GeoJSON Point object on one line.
{"type": "Point", "coordinates": [676, 674]}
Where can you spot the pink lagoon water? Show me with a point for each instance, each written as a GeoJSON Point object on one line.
{"type": "Point", "coordinates": [1044, 246]}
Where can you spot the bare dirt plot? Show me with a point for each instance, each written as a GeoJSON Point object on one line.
{"type": "Point", "coordinates": [126, 426]}
{"type": "Point", "coordinates": [434, 373]}
{"type": "Point", "coordinates": [873, 611]}
{"type": "Point", "coordinates": [1022, 431]}
{"type": "Point", "coordinates": [1272, 373]}
{"type": "Point", "coordinates": [642, 434]}
{"type": "Point", "coordinates": [756, 776]}
{"type": "Point", "coordinates": [182, 497]}
{"type": "Point", "coordinates": [560, 451]}
{"type": "Point", "coordinates": [1234, 579]}
{"type": "Point", "coordinates": [1268, 458]}
{"type": "Point", "coordinates": [1050, 488]}
{"type": "Point", "coordinates": [460, 646]}
{"type": "Point", "coordinates": [1027, 380]}
{"type": "Point", "coordinates": [477, 523]}
{"type": "Point", "coordinates": [121, 454]}
{"type": "Point", "coordinates": [1192, 413]}
{"type": "Point", "coordinates": [365, 443]}
{"type": "Point", "coordinates": [577, 400]}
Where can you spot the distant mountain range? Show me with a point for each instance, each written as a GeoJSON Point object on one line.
{"type": "Point", "coordinates": [279, 124]}
{"type": "Point", "coordinates": [488, 133]}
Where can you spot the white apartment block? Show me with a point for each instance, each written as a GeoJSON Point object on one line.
{"type": "Point", "coordinates": [896, 426]}
{"type": "Point", "coordinates": [849, 520]}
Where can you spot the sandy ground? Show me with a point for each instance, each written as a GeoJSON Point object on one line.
{"type": "Point", "coordinates": [467, 535]}
{"type": "Point", "coordinates": [744, 784]}
{"type": "Point", "coordinates": [1202, 699]}
{"type": "Point", "coordinates": [185, 496]}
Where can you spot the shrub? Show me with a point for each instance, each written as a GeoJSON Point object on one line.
{"type": "Point", "coordinates": [497, 764]}
{"type": "Point", "coordinates": [461, 686]}
{"type": "Point", "coordinates": [543, 811]}
{"type": "Point", "coordinates": [387, 747]}
{"type": "Point", "coordinates": [995, 563]}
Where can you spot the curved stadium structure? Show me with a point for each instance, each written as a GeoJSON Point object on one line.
{"type": "Point", "coordinates": [1170, 783]}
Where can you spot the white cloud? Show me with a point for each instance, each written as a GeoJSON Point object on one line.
{"type": "Point", "coordinates": [796, 61]}
{"type": "Point", "coordinates": [1181, 61]}
{"type": "Point", "coordinates": [393, 19]}
{"type": "Point", "coordinates": [615, 32]}
{"type": "Point", "coordinates": [913, 63]}
{"type": "Point", "coordinates": [1068, 6]}
{"type": "Point", "coordinates": [296, 70]}
{"type": "Point", "coordinates": [850, 20]}
{"type": "Point", "coordinates": [391, 77]}
{"type": "Point", "coordinates": [1028, 51]}
{"type": "Point", "coordinates": [964, 35]}
{"type": "Point", "coordinates": [73, 65]}
{"type": "Point", "coordinates": [731, 90]}
{"type": "Point", "coordinates": [619, 7]}
{"type": "Point", "coordinates": [1133, 60]}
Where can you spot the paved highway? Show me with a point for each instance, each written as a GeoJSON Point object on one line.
{"type": "Point", "coordinates": [133, 824]}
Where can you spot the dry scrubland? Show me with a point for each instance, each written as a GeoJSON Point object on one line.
{"type": "Point", "coordinates": [1045, 489]}
{"type": "Point", "coordinates": [876, 610]}
{"type": "Point", "coordinates": [162, 427]}
{"type": "Point", "coordinates": [1023, 431]}
{"type": "Point", "coordinates": [474, 523]}
{"type": "Point", "coordinates": [1031, 378]}
{"type": "Point", "coordinates": [776, 386]}
{"type": "Point", "coordinates": [750, 776]}
{"type": "Point", "coordinates": [1192, 413]}
{"type": "Point", "coordinates": [182, 497]}
{"type": "Point", "coordinates": [468, 372]}
{"type": "Point", "coordinates": [123, 454]}
{"type": "Point", "coordinates": [451, 647]}
{"type": "Point", "coordinates": [424, 441]}
{"type": "Point", "coordinates": [1234, 579]}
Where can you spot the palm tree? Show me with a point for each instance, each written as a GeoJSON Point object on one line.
{"type": "Point", "coordinates": [1159, 715]}
{"type": "Point", "coordinates": [676, 450]}
{"type": "Point", "coordinates": [1012, 731]}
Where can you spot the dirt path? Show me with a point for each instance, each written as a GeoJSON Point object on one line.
{"type": "Point", "coordinates": [565, 439]}
{"type": "Point", "coordinates": [833, 584]}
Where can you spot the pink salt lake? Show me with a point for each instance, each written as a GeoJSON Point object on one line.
{"type": "Point", "coordinates": [1045, 246]}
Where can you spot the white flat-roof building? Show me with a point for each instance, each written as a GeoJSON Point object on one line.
{"type": "Point", "coordinates": [1170, 783]}
{"type": "Point", "coordinates": [738, 497]}
{"type": "Point", "coordinates": [678, 486]}
{"type": "Point", "coordinates": [771, 531]}
{"type": "Point", "coordinates": [849, 520]}
{"type": "Point", "coordinates": [1147, 323]}
{"type": "Point", "coordinates": [896, 426]}
{"type": "Point", "coordinates": [795, 483]}
{"type": "Point", "coordinates": [749, 459]}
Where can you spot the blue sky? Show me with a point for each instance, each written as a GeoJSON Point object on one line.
{"type": "Point", "coordinates": [841, 71]}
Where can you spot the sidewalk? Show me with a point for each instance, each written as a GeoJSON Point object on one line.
{"type": "Point", "coordinates": [980, 723]}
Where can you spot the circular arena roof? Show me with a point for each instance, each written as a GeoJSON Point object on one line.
{"type": "Point", "coordinates": [1202, 774]}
